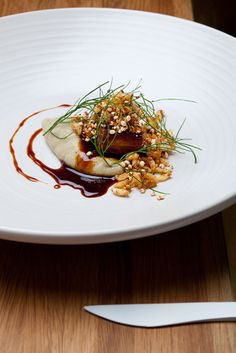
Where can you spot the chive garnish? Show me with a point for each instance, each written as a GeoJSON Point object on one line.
{"type": "Point", "coordinates": [173, 143]}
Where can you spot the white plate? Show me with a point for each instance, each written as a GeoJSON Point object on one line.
{"type": "Point", "coordinates": [53, 57]}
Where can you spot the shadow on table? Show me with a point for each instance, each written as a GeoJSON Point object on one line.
{"type": "Point", "coordinates": [182, 265]}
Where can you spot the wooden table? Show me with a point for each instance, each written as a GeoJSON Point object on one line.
{"type": "Point", "coordinates": [43, 288]}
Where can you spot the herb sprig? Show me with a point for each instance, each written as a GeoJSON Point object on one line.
{"type": "Point", "coordinates": [172, 143]}
{"type": "Point", "coordinates": [84, 103]}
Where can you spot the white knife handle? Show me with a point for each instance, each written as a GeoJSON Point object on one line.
{"type": "Point", "coordinates": [155, 315]}
{"type": "Point", "coordinates": [197, 312]}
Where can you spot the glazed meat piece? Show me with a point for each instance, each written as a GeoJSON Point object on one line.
{"type": "Point", "coordinates": [119, 144]}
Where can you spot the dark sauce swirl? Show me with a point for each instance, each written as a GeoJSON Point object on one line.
{"type": "Point", "coordinates": [89, 186]}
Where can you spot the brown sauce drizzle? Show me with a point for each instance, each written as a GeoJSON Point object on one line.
{"type": "Point", "coordinates": [83, 162]}
{"type": "Point", "coordinates": [89, 185]}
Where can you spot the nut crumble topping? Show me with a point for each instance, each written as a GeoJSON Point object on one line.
{"type": "Point", "coordinates": [144, 161]}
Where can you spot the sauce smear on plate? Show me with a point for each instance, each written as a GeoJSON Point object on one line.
{"type": "Point", "coordinates": [90, 186]}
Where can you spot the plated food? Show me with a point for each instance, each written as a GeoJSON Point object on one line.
{"type": "Point", "coordinates": [116, 138]}
{"type": "Point", "coordinates": [54, 70]}
{"type": "Point", "coordinates": [117, 134]}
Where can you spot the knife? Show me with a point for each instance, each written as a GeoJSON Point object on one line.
{"type": "Point", "coordinates": [156, 315]}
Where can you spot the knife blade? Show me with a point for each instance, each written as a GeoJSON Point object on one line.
{"type": "Point", "coordinates": [157, 315]}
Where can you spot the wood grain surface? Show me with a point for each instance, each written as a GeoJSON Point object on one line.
{"type": "Point", "coordinates": [180, 8]}
{"type": "Point", "coordinates": [229, 221]}
{"type": "Point", "coordinates": [43, 288]}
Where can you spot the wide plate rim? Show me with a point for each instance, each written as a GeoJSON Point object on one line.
{"type": "Point", "coordinates": [108, 9]}
{"type": "Point", "coordinates": [113, 235]}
